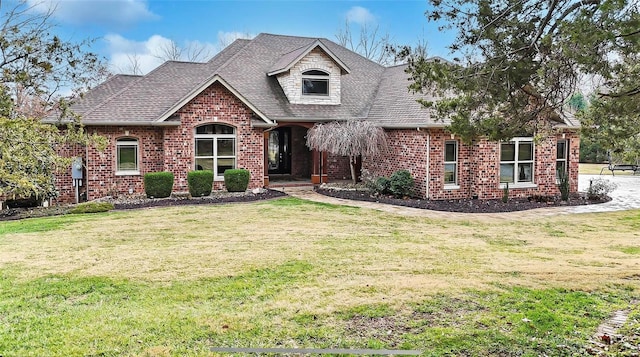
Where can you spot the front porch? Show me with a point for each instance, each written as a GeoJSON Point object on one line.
{"type": "Point", "coordinates": [288, 162]}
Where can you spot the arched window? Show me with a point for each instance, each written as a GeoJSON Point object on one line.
{"type": "Point", "coordinates": [315, 82]}
{"type": "Point", "coordinates": [215, 148]}
{"type": "Point", "coordinates": [127, 156]}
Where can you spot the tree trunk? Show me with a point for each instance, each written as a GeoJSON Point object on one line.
{"type": "Point", "coordinates": [352, 166]}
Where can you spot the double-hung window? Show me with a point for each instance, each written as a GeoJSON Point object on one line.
{"type": "Point", "coordinates": [315, 82]}
{"type": "Point", "coordinates": [215, 149]}
{"type": "Point", "coordinates": [516, 161]}
{"type": "Point", "coordinates": [450, 163]}
{"type": "Point", "coordinates": [562, 154]}
{"type": "Point", "coordinates": [127, 157]}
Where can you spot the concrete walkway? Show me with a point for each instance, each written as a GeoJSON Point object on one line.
{"type": "Point", "coordinates": [625, 197]}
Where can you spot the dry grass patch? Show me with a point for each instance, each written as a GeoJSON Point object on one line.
{"type": "Point", "coordinates": [357, 256]}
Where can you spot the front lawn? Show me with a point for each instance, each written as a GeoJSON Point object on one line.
{"type": "Point", "coordinates": [290, 273]}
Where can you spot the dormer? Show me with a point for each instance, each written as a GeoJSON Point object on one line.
{"type": "Point", "coordinates": [310, 75]}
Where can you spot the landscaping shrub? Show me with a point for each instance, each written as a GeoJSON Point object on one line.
{"type": "Point", "coordinates": [401, 183]}
{"type": "Point", "coordinates": [600, 188]}
{"type": "Point", "coordinates": [236, 180]}
{"type": "Point", "coordinates": [381, 185]}
{"type": "Point", "coordinates": [200, 182]}
{"type": "Point", "coordinates": [505, 193]}
{"type": "Point", "coordinates": [563, 186]}
{"type": "Point", "coordinates": [158, 184]}
{"type": "Point", "coordinates": [91, 207]}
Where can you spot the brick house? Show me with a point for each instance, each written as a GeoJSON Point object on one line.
{"type": "Point", "coordinates": [251, 105]}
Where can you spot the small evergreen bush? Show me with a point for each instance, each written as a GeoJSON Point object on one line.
{"type": "Point", "coordinates": [236, 180]}
{"type": "Point", "coordinates": [200, 182]}
{"type": "Point", "coordinates": [401, 183]}
{"type": "Point", "coordinates": [381, 185]}
{"type": "Point", "coordinates": [91, 207]}
{"type": "Point", "coordinates": [158, 184]}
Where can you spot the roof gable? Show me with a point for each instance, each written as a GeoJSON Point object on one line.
{"type": "Point", "coordinates": [288, 60]}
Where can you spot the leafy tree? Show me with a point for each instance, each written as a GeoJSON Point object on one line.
{"type": "Point", "coordinates": [350, 138]}
{"type": "Point", "coordinates": [36, 66]}
{"type": "Point", "coordinates": [518, 62]}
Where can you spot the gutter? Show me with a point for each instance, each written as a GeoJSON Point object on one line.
{"type": "Point", "coordinates": [116, 123]}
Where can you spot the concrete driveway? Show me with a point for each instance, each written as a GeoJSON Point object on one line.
{"type": "Point", "coordinates": [625, 197]}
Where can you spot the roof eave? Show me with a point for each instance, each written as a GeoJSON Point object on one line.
{"type": "Point", "coordinates": [115, 123]}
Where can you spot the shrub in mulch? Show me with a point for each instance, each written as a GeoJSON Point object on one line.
{"type": "Point", "coordinates": [463, 205]}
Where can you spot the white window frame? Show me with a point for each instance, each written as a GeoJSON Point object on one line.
{"type": "Point", "coordinates": [516, 163]}
{"type": "Point", "coordinates": [127, 142]}
{"type": "Point", "coordinates": [326, 77]}
{"type": "Point", "coordinates": [564, 159]}
{"type": "Point", "coordinates": [215, 157]}
{"type": "Point", "coordinates": [454, 184]}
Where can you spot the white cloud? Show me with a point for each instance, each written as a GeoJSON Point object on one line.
{"type": "Point", "coordinates": [360, 15]}
{"type": "Point", "coordinates": [141, 57]}
{"type": "Point", "coordinates": [108, 13]}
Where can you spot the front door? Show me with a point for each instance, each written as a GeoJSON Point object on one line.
{"type": "Point", "coordinates": [280, 151]}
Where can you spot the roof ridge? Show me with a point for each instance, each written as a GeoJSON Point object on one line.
{"type": "Point", "coordinates": [117, 93]}
{"type": "Point", "coordinates": [225, 63]}
{"type": "Point", "coordinates": [350, 50]}
{"type": "Point", "coordinates": [291, 36]}
{"type": "Point", "coordinates": [141, 77]}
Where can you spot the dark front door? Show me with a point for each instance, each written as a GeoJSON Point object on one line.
{"type": "Point", "coordinates": [280, 151]}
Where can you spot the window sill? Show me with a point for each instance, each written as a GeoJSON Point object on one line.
{"type": "Point", "coordinates": [518, 185]}
{"type": "Point", "coordinates": [451, 187]}
{"type": "Point", "coordinates": [127, 173]}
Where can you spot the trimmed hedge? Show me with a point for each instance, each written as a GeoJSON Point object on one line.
{"type": "Point", "coordinates": [236, 180]}
{"type": "Point", "coordinates": [200, 182]}
{"type": "Point", "coordinates": [158, 184]}
{"type": "Point", "coordinates": [91, 207]}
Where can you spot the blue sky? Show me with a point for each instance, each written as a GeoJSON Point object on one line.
{"type": "Point", "coordinates": [127, 29]}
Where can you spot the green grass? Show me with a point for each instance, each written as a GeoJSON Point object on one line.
{"type": "Point", "coordinates": [289, 273]}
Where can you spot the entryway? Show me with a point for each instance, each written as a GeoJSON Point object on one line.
{"type": "Point", "coordinates": [279, 151]}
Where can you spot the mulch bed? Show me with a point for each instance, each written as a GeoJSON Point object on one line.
{"type": "Point", "coordinates": [134, 203]}
{"type": "Point", "coordinates": [463, 205]}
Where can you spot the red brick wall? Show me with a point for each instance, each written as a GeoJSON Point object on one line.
{"type": "Point", "coordinates": [214, 105]}
{"type": "Point", "coordinates": [170, 148]}
{"type": "Point", "coordinates": [64, 182]}
{"type": "Point", "coordinates": [101, 166]}
{"type": "Point", "coordinates": [478, 165]}
{"type": "Point", "coordinates": [406, 150]}
{"type": "Point", "coordinates": [338, 167]}
{"type": "Point", "coordinates": [437, 188]}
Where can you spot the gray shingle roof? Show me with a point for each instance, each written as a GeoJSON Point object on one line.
{"type": "Point", "coordinates": [368, 89]}
{"type": "Point", "coordinates": [396, 106]}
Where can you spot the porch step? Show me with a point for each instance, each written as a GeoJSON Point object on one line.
{"type": "Point", "coordinates": [291, 187]}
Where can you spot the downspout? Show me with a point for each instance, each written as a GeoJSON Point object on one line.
{"type": "Point", "coordinates": [86, 155]}
{"type": "Point", "coordinates": [428, 162]}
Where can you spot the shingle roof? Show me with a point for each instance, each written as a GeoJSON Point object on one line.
{"type": "Point", "coordinates": [396, 106]}
{"type": "Point", "coordinates": [368, 90]}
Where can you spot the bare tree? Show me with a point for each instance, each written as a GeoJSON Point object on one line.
{"type": "Point", "coordinates": [192, 52]}
{"type": "Point", "coordinates": [133, 66]}
{"type": "Point", "coordinates": [370, 43]}
{"type": "Point", "coordinates": [226, 38]}
{"type": "Point", "coordinates": [351, 138]}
